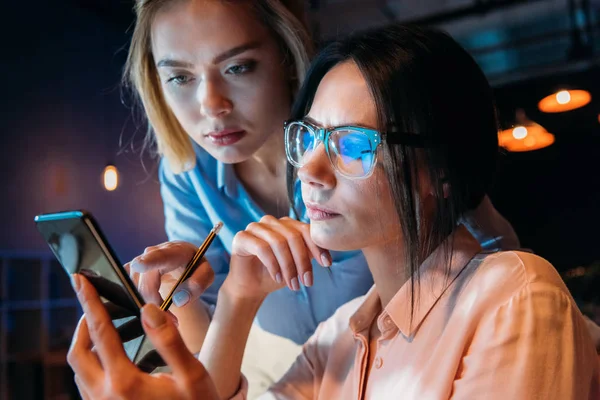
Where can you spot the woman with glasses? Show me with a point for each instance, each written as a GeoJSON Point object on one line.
{"type": "Point", "coordinates": [216, 100]}
{"type": "Point", "coordinates": [381, 139]}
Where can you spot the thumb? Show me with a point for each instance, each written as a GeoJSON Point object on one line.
{"type": "Point", "coordinates": [193, 287]}
{"type": "Point", "coordinates": [167, 341]}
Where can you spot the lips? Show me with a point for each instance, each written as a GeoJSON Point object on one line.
{"type": "Point", "coordinates": [226, 137]}
{"type": "Point", "coordinates": [317, 212]}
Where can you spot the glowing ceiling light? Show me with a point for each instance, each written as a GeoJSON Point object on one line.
{"type": "Point", "coordinates": [111, 178]}
{"type": "Point", "coordinates": [526, 136]}
{"type": "Point", "coordinates": [564, 100]}
{"type": "Point", "coordinates": [520, 132]}
{"type": "Point", "coordinates": [563, 97]}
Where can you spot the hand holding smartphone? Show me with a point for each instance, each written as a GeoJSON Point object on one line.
{"type": "Point", "coordinates": [79, 245]}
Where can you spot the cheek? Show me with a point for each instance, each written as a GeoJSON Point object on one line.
{"type": "Point", "coordinates": [377, 211]}
{"type": "Point", "coordinates": [182, 105]}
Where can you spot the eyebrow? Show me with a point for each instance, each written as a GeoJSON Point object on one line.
{"type": "Point", "coordinates": [166, 62]}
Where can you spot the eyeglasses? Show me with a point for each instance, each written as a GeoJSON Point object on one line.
{"type": "Point", "coordinates": [352, 150]}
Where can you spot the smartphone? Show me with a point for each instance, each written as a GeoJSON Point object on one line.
{"type": "Point", "coordinates": [80, 247]}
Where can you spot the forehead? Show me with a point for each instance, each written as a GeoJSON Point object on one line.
{"type": "Point", "coordinates": [197, 30]}
{"type": "Point", "coordinates": [343, 98]}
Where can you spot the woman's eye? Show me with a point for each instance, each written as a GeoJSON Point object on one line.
{"type": "Point", "coordinates": [179, 80]}
{"type": "Point", "coordinates": [240, 69]}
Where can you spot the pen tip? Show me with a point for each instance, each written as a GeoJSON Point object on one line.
{"type": "Point", "coordinates": [217, 227]}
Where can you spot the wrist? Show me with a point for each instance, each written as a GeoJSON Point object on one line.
{"type": "Point", "coordinates": [231, 294]}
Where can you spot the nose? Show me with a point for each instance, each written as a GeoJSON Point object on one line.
{"type": "Point", "coordinates": [212, 99]}
{"type": "Point", "coordinates": [317, 171]}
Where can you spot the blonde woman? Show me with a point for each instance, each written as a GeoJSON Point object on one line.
{"type": "Point", "coordinates": [216, 79]}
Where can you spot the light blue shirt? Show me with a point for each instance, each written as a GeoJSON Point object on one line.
{"type": "Point", "coordinates": [194, 201]}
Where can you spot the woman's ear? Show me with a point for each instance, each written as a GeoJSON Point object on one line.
{"type": "Point", "coordinates": [446, 187]}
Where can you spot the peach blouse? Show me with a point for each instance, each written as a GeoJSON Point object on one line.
{"type": "Point", "coordinates": [499, 326]}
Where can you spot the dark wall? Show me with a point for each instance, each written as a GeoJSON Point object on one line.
{"type": "Point", "coordinates": [62, 121]}
{"type": "Point", "coordinates": [552, 195]}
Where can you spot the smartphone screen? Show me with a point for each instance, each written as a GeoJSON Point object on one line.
{"type": "Point", "coordinates": [80, 247]}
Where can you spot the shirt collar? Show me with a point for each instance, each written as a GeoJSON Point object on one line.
{"type": "Point", "coordinates": [226, 179]}
{"type": "Point", "coordinates": [364, 315]}
{"type": "Point", "coordinates": [433, 283]}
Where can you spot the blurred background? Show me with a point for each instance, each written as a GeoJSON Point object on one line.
{"type": "Point", "coordinates": [64, 120]}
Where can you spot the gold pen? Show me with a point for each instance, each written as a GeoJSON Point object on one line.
{"type": "Point", "coordinates": [194, 262]}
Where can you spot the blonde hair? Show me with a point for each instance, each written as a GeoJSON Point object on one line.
{"type": "Point", "coordinates": [285, 18]}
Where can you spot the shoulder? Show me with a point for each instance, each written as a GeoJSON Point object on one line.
{"type": "Point", "coordinates": [519, 269]}
{"type": "Point", "coordinates": [205, 167]}
{"type": "Point", "coordinates": [496, 279]}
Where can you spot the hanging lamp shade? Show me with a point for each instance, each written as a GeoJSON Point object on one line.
{"type": "Point", "coordinates": [564, 100]}
{"type": "Point", "coordinates": [526, 135]}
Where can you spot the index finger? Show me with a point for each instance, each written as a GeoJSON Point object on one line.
{"type": "Point", "coordinates": [164, 258]}
{"type": "Point", "coordinates": [320, 254]}
{"type": "Point", "coordinates": [101, 330]}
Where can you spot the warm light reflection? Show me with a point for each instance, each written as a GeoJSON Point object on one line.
{"type": "Point", "coordinates": [564, 100]}
{"type": "Point", "coordinates": [111, 178]}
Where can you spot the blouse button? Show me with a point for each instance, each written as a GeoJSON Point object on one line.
{"type": "Point", "coordinates": [378, 362]}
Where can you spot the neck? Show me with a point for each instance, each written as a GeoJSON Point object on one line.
{"type": "Point", "coordinates": [270, 158]}
{"type": "Point", "coordinates": [388, 269]}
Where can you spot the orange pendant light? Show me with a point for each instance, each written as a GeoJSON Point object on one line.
{"type": "Point", "coordinates": [525, 136]}
{"type": "Point", "coordinates": [564, 100]}
{"type": "Point", "coordinates": [110, 178]}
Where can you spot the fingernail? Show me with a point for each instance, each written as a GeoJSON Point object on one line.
{"type": "Point", "coordinates": [152, 316]}
{"type": "Point", "coordinates": [75, 282]}
{"type": "Point", "coordinates": [326, 259]}
{"type": "Point", "coordinates": [308, 278]}
{"type": "Point", "coordinates": [278, 277]}
{"type": "Point", "coordinates": [181, 297]}
{"type": "Point", "coordinates": [295, 285]}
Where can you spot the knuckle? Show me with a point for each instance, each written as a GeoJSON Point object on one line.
{"type": "Point", "coordinates": [295, 237]}
{"type": "Point", "coordinates": [263, 248]}
{"type": "Point", "coordinates": [72, 357]}
{"type": "Point", "coordinates": [170, 338]}
{"type": "Point", "coordinates": [100, 329]}
{"type": "Point", "coordinates": [238, 240]}
{"type": "Point", "coordinates": [137, 264]}
{"type": "Point", "coordinates": [268, 218]}
{"type": "Point", "coordinates": [252, 226]}
{"type": "Point", "coordinates": [304, 227]}
{"type": "Point", "coordinates": [148, 249]}
{"type": "Point", "coordinates": [196, 375]}
{"type": "Point", "coordinates": [77, 381]}
{"type": "Point", "coordinates": [121, 388]}
{"type": "Point", "coordinates": [181, 245]}
{"type": "Point", "coordinates": [279, 242]}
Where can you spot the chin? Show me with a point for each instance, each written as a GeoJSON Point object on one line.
{"type": "Point", "coordinates": [329, 238]}
{"type": "Point", "coordinates": [229, 155]}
